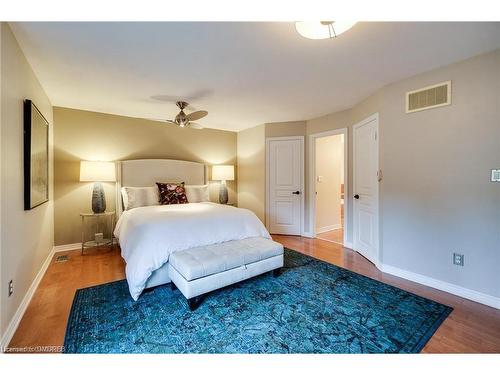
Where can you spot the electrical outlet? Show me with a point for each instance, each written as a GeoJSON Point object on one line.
{"type": "Point", "coordinates": [458, 259]}
{"type": "Point", "coordinates": [495, 175]}
{"type": "Point", "coordinates": [11, 287]}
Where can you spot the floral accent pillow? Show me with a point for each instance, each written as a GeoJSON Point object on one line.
{"type": "Point", "coordinates": [172, 193]}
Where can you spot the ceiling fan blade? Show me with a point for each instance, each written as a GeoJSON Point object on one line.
{"type": "Point", "coordinates": [169, 122]}
{"type": "Point", "coordinates": [194, 125]}
{"type": "Point", "coordinates": [160, 120]}
{"type": "Point", "coordinates": [196, 115]}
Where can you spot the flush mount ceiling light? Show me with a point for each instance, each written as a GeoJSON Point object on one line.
{"type": "Point", "coordinates": [323, 29]}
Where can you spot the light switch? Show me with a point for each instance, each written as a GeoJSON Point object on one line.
{"type": "Point", "coordinates": [495, 175]}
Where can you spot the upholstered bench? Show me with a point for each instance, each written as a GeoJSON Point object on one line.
{"type": "Point", "coordinates": [203, 269]}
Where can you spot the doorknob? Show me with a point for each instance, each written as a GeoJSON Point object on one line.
{"type": "Point", "coordinates": [296, 192]}
{"type": "Point", "coordinates": [356, 196]}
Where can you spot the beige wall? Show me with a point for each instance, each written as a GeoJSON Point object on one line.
{"type": "Point", "coordinates": [337, 120]}
{"type": "Point", "coordinates": [435, 197]}
{"type": "Point", "coordinates": [27, 237]}
{"type": "Point", "coordinates": [251, 174]}
{"type": "Point", "coordinates": [82, 135]}
{"type": "Point", "coordinates": [252, 159]}
{"type": "Point", "coordinates": [329, 165]}
{"type": "Point", "coordinates": [285, 129]}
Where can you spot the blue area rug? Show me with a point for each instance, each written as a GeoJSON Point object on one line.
{"type": "Point", "coordinates": [313, 307]}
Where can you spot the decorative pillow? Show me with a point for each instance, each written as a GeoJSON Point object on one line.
{"type": "Point", "coordinates": [139, 197]}
{"type": "Point", "coordinates": [172, 193]}
{"type": "Point", "coordinates": [197, 193]}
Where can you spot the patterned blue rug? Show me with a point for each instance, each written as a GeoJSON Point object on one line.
{"type": "Point", "coordinates": [313, 307]}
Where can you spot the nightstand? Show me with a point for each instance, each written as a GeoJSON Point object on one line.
{"type": "Point", "coordinates": [97, 229]}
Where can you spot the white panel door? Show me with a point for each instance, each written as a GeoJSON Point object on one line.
{"type": "Point", "coordinates": [366, 206]}
{"type": "Point", "coordinates": [285, 170]}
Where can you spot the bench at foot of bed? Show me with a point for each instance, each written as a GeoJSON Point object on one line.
{"type": "Point", "coordinates": [203, 269]}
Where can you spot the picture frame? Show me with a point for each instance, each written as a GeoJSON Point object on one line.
{"type": "Point", "coordinates": [36, 157]}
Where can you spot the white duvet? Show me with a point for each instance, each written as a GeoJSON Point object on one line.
{"type": "Point", "coordinates": [148, 235]}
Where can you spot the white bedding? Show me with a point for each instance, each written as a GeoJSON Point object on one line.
{"type": "Point", "coordinates": [148, 235]}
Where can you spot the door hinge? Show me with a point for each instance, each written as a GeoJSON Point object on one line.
{"type": "Point", "coordinates": [375, 135]}
{"type": "Point", "coordinates": [379, 175]}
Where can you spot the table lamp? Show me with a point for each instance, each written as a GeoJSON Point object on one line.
{"type": "Point", "coordinates": [98, 172]}
{"type": "Point", "coordinates": [223, 173]}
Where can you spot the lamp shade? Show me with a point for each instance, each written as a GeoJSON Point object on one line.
{"type": "Point", "coordinates": [100, 171]}
{"type": "Point", "coordinates": [223, 172]}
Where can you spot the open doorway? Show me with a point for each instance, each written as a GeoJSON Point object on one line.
{"type": "Point", "coordinates": [329, 154]}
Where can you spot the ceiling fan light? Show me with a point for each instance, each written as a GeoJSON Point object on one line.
{"type": "Point", "coordinates": [322, 29]}
{"type": "Point", "coordinates": [182, 120]}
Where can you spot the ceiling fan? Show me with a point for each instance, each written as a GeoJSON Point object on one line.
{"type": "Point", "coordinates": [185, 120]}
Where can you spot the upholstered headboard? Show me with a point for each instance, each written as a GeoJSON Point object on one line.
{"type": "Point", "coordinates": [146, 172]}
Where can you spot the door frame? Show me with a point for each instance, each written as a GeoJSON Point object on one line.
{"type": "Point", "coordinates": [312, 179]}
{"type": "Point", "coordinates": [268, 192]}
{"type": "Point", "coordinates": [374, 117]}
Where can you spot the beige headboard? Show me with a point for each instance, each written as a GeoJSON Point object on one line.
{"type": "Point", "coordinates": [147, 172]}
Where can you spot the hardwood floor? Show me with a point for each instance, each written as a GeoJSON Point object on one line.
{"type": "Point", "coordinates": [336, 235]}
{"type": "Point", "coordinates": [44, 322]}
{"type": "Point", "coordinates": [471, 327]}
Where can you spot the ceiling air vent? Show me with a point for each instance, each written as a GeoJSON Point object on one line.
{"type": "Point", "coordinates": [429, 97]}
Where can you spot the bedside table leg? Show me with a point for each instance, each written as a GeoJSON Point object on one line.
{"type": "Point", "coordinates": [83, 233]}
{"type": "Point", "coordinates": [112, 231]}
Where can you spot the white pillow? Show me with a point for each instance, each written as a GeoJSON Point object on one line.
{"type": "Point", "coordinates": [139, 197]}
{"type": "Point", "coordinates": [197, 193]}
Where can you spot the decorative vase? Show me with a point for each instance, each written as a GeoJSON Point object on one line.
{"type": "Point", "coordinates": [98, 199]}
{"type": "Point", "coordinates": [223, 193]}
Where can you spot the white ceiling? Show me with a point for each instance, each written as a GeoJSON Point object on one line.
{"type": "Point", "coordinates": [244, 74]}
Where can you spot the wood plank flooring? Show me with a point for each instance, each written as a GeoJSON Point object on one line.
{"type": "Point", "coordinates": [336, 235]}
{"type": "Point", "coordinates": [471, 327]}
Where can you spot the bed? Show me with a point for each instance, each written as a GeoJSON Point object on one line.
{"type": "Point", "coordinates": [148, 235]}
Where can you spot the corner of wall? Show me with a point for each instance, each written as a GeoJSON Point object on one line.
{"type": "Point", "coordinates": [22, 256]}
{"type": "Point", "coordinates": [251, 154]}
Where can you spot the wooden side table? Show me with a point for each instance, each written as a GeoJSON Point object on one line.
{"type": "Point", "coordinates": [97, 229]}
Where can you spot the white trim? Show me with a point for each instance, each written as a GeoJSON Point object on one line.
{"type": "Point", "coordinates": [374, 117]}
{"type": "Point", "coordinates": [448, 99]}
{"type": "Point", "coordinates": [302, 161]}
{"type": "Point", "coordinates": [16, 319]}
{"type": "Point", "coordinates": [328, 228]}
{"type": "Point", "coordinates": [348, 245]}
{"type": "Point", "coordinates": [307, 234]}
{"type": "Point", "coordinates": [444, 286]}
{"type": "Point", "coordinates": [67, 247]}
{"type": "Point", "coordinates": [312, 177]}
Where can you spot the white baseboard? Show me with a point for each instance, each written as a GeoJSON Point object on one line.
{"type": "Point", "coordinates": [444, 286]}
{"type": "Point", "coordinates": [349, 245]}
{"type": "Point", "coordinates": [328, 228]}
{"type": "Point", "coordinates": [307, 234]}
{"type": "Point", "coordinates": [70, 246]}
{"type": "Point", "coordinates": [16, 319]}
